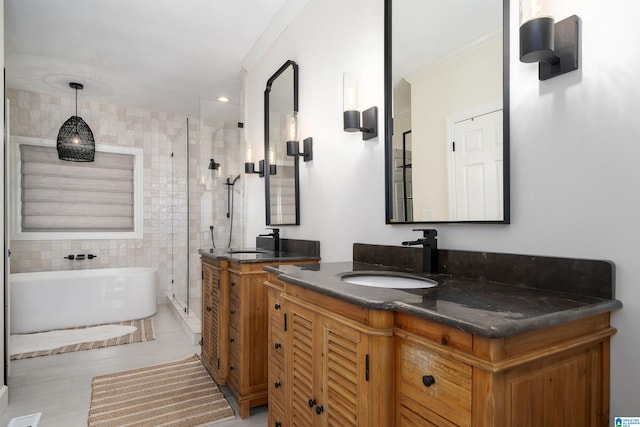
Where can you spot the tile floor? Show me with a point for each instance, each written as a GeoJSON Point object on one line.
{"type": "Point", "coordinates": [59, 386]}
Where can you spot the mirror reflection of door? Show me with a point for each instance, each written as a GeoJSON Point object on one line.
{"type": "Point", "coordinates": [446, 58]}
{"type": "Point", "coordinates": [476, 168]}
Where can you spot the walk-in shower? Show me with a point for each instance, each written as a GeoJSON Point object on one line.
{"type": "Point", "coordinates": [205, 206]}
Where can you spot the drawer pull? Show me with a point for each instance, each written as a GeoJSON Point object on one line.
{"type": "Point", "coordinates": [232, 312]}
{"type": "Point", "coordinates": [277, 306]}
{"type": "Point", "coordinates": [428, 380]}
{"type": "Point", "coordinates": [277, 424]}
{"type": "Point", "coordinates": [231, 340]}
{"type": "Point", "coordinates": [209, 308]}
{"type": "Point", "coordinates": [231, 368]}
{"type": "Point", "coordinates": [233, 283]}
{"type": "Point", "coordinates": [319, 410]}
{"type": "Point", "coordinates": [312, 403]}
{"type": "Point", "coordinates": [277, 384]}
{"type": "Point", "coordinates": [277, 345]}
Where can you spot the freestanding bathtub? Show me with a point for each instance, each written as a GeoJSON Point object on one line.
{"type": "Point", "coordinates": [49, 300]}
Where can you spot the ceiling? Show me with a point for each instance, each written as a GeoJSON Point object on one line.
{"type": "Point", "coordinates": [159, 55]}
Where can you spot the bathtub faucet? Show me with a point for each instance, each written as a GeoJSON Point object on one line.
{"type": "Point", "coordinates": [80, 257]}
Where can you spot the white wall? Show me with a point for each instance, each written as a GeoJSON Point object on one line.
{"type": "Point", "coordinates": [4, 394]}
{"type": "Point", "coordinates": [575, 145]}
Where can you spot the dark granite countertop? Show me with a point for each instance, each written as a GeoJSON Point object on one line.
{"type": "Point", "coordinates": [253, 255]}
{"type": "Point", "coordinates": [479, 306]}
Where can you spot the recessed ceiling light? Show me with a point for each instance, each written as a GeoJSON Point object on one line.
{"type": "Point", "coordinates": [222, 99]}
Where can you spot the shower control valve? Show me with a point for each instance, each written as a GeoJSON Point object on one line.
{"type": "Point", "coordinates": [70, 257]}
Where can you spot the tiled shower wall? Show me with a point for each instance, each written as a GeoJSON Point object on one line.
{"type": "Point", "coordinates": [40, 115]}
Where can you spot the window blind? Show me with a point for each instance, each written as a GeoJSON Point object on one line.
{"type": "Point", "coordinates": [60, 196]}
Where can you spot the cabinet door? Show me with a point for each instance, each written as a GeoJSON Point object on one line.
{"type": "Point", "coordinates": [208, 337]}
{"type": "Point", "coordinates": [344, 368]}
{"type": "Point", "coordinates": [300, 365]}
{"type": "Point", "coordinates": [327, 370]}
{"type": "Point", "coordinates": [235, 338]}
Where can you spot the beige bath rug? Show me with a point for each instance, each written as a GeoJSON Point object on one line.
{"type": "Point", "coordinates": [178, 394]}
{"type": "Point", "coordinates": [86, 338]}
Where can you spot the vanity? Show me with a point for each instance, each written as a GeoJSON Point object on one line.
{"type": "Point", "coordinates": [502, 340]}
{"type": "Point", "coordinates": [234, 314]}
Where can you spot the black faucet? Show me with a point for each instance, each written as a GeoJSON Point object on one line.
{"type": "Point", "coordinates": [429, 249]}
{"type": "Point", "coordinates": [275, 233]}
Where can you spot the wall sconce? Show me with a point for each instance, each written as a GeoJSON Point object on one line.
{"type": "Point", "coordinates": [554, 45]}
{"type": "Point", "coordinates": [250, 167]}
{"type": "Point", "coordinates": [351, 108]}
{"type": "Point", "coordinates": [293, 145]}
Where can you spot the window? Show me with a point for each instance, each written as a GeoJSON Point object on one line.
{"type": "Point", "coordinates": [55, 199]}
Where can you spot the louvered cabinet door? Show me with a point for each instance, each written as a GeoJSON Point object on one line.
{"type": "Point", "coordinates": [344, 368]}
{"type": "Point", "coordinates": [207, 318]}
{"type": "Point", "coordinates": [301, 363]}
{"type": "Point", "coordinates": [213, 312]}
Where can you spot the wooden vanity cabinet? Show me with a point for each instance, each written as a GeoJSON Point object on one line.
{"type": "Point", "coordinates": [215, 278]}
{"type": "Point", "coordinates": [336, 362]}
{"type": "Point", "coordinates": [557, 376]}
{"type": "Point", "coordinates": [277, 384]}
{"type": "Point", "coordinates": [235, 330]}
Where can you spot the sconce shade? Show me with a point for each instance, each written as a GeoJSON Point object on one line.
{"type": "Point", "coordinates": [555, 46]}
{"type": "Point", "coordinates": [351, 119]}
{"type": "Point", "coordinates": [351, 100]}
{"type": "Point", "coordinates": [537, 40]}
{"type": "Point", "coordinates": [75, 138]}
{"type": "Point", "coordinates": [291, 126]}
{"type": "Point", "coordinates": [75, 141]}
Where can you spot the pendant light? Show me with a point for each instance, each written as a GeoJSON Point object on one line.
{"type": "Point", "coordinates": [75, 139]}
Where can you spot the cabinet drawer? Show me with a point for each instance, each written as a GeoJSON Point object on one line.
{"type": "Point", "coordinates": [276, 314]}
{"type": "Point", "coordinates": [277, 342]}
{"type": "Point", "coordinates": [276, 415]}
{"type": "Point", "coordinates": [433, 385]}
{"type": "Point", "coordinates": [277, 381]}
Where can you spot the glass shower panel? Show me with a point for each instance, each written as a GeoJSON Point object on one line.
{"type": "Point", "coordinates": [179, 218]}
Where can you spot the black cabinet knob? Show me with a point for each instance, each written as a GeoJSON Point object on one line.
{"type": "Point", "coordinates": [312, 403]}
{"type": "Point", "coordinates": [231, 368]}
{"type": "Point", "coordinates": [232, 312]}
{"type": "Point", "coordinates": [277, 424]}
{"type": "Point", "coordinates": [277, 345]}
{"type": "Point", "coordinates": [233, 283]}
{"type": "Point", "coordinates": [319, 410]}
{"type": "Point", "coordinates": [209, 308]}
{"type": "Point", "coordinates": [428, 380]}
{"type": "Point", "coordinates": [231, 340]}
{"type": "Point", "coordinates": [277, 384]}
{"type": "Point", "coordinates": [277, 306]}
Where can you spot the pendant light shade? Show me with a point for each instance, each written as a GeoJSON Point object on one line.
{"type": "Point", "coordinates": [75, 138]}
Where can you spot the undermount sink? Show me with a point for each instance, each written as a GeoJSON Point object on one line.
{"type": "Point", "coordinates": [389, 280]}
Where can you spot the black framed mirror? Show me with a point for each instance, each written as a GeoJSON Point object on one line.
{"type": "Point", "coordinates": [282, 188]}
{"type": "Point", "coordinates": [447, 111]}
